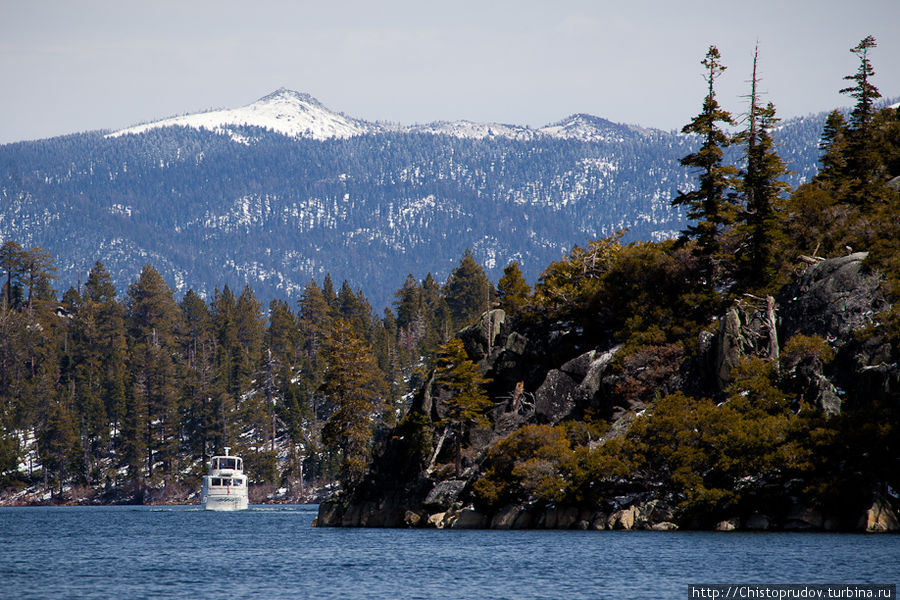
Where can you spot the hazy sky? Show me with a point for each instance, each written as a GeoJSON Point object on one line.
{"type": "Point", "coordinates": [69, 66]}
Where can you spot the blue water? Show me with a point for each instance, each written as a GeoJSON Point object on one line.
{"type": "Point", "coordinates": [272, 552]}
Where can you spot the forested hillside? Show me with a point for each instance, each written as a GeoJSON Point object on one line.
{"type": "Point", "coordinates": [126, 392]}
{"type": "Point", "coordinates": [253, 206]}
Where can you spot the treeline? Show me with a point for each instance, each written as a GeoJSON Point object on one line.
{"type": "Point", "coordinates": [142, 388]}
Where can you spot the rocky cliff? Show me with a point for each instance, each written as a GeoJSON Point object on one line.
{"type": "Point", "coordinates": [547, 375]}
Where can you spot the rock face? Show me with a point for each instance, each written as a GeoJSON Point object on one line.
{"type": "Point", "coordinates": [745, 331]}
{"type": "Point", "coordinates": [481, 338]}
{"type": "Point", "coordinates": [831, 299]}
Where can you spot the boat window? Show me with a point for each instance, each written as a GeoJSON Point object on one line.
{"type": "Point", "coordinates": [226, 482]}
{"type": "Point", "coordinates": [240, 465]}
{"type": "Point", "coordinates": [227, 463]}
{"type": "Point", "coordinates": [237, 482]}
{"type": "Point", "coordinates": [216, 481]}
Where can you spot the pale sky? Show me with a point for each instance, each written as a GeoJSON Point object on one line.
{"type": "Point", "coordinates": [70, 66]}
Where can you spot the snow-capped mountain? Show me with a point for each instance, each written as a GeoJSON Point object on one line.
{"type": "Point", "coordinates": [588, 128]}
{"type": "Point", "coordinates": [299, 115]}
{"type": "Point", "coordinates": [284, 111]}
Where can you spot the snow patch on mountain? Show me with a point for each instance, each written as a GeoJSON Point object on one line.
{"type": "Point", "coordinates": [472, 130]}
{"type": "Point", "coordinates": [588, 128]}
{"type": "Point", "coordinates": [284, 111]}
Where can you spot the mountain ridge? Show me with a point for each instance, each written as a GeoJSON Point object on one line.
{"type": "Point", "coordinates": [301, 115]}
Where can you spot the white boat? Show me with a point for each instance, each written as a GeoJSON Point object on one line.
{"type": "Point", "coordinates": [225, 488]}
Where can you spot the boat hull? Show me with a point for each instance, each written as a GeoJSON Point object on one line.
{"type": "Point", "coordinates": [232, 502]}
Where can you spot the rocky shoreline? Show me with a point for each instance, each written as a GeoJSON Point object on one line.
{"type": "Point", "coordinates": [651, 515]}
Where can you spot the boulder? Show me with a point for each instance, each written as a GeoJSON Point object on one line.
{"type": "Point", "coordinates": [664, 526]}
{"type": "Point", "coordinates": [412, 519]}
{"type": "Point", "coordinates": [832, 299]}
{"type": "Point", "coordinates": [559, 518]}
{"type": "Point", "coordinates": [516, 343]}
{"type": "Point", "coordinates": [599, 521]}
{"type": "Point", "coordinates": [650, 513]}
{"type": "Point", "coordinates": [506, 517]}
{"type": "Point", "coordinates": [728, 524]}
{"type": "Point", "coordinates": [469, 518]}
{"type": "Point", "coordinates": [592, 381]}
{"type": "Point", "coordinates": [554, 400]}
{"type": "Point", "coordinates": [578, 367]}
{"type": "Point", "coordinates": [330, 513]}
{"type": "Point", "coordinates": [880, 517]}
{"type": "Point", "coordinates": [745, 330]}
{"type": "Point", "coordinates": [525, 520]}
{"type": "Point", "coordinates": [480, 338]}
{"type": "Point", "coordinates": [621, 519]}
{"type": "Point", "coordinates": [444, 494]}
{"type": "Point", "coordinates": [436, 520]}
{"type": "Point", "coordinates": [809, 378]}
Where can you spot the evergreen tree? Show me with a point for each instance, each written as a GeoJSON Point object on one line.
{"type": "Point", "coordinates": [709, 205]}
{"type": "Point", "coordinates": [761, 186]}
{"type": "Point", "coordinates": [315, 323]}
{"type": "Point", "coordinates": [224, 308]}
{"type": "Point", "coordinates": [512, 289]}
{"type": "Point", "coordinates": [832, 145]}
{"type": "Point", "coordinates": [468, 291]}
{"type": "Point", "coordinates": [467, 404]}
{"type": "Point", "coordinates": [12, 262]}
{"type": "Point", "coordinates": [153, 318]}
{"type": "Point", "coordinates": [38, 269]}
{"type": "Point", "coordinates": [437, 314]}
{"type": "Point", "coordinates": [861, 155]}
{"type": "Point", "coordinates": [201, 387]}
{"type": "Point", "coordinates": [355, 388]}
{"type": "Point", "coordinates": [58, 444]}
{"type": "Point", "coordinates": [283, 333]}
{"type": "Point", "coordinates": [250, 336]}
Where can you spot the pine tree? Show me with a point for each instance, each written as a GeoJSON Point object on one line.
{"type": "Point", "coordinates": [861, 156]}
{"type": "Point", "coordinates": [12, 262]}
{"type": "Point", "coordinates": [315, 323]}
{"type": "Point", "coordinates": [38, 267]}
{"type": "Point", "coordinates": [153, 322]}
{"type": "Point", "coordinates": [201, 387]}
{"type": "Point", "coordinates": [833, 147]}
{"type": "Point", "coordinates": [467, 292]}
{"type": "Point", "coordinates": [709, 205]}
{"type": "Point", "coordinates": [250, 335]}
{"type": "Point", "coordinates": [512, 289]}
{"type": "Point", "coordinates": [467, 404]}
{"type": "Point", "coordinates": [58, 444]}
{"type": "Point", "coordinates": [761, 186]}
{"type": "Point", "coordinates": [355, 388]}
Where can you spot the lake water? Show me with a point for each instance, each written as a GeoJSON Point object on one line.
{"type": "Point", "coordinates": [272, 552]}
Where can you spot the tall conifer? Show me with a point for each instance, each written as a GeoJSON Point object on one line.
{"type": "Point", "coordinates": [709, 205]}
